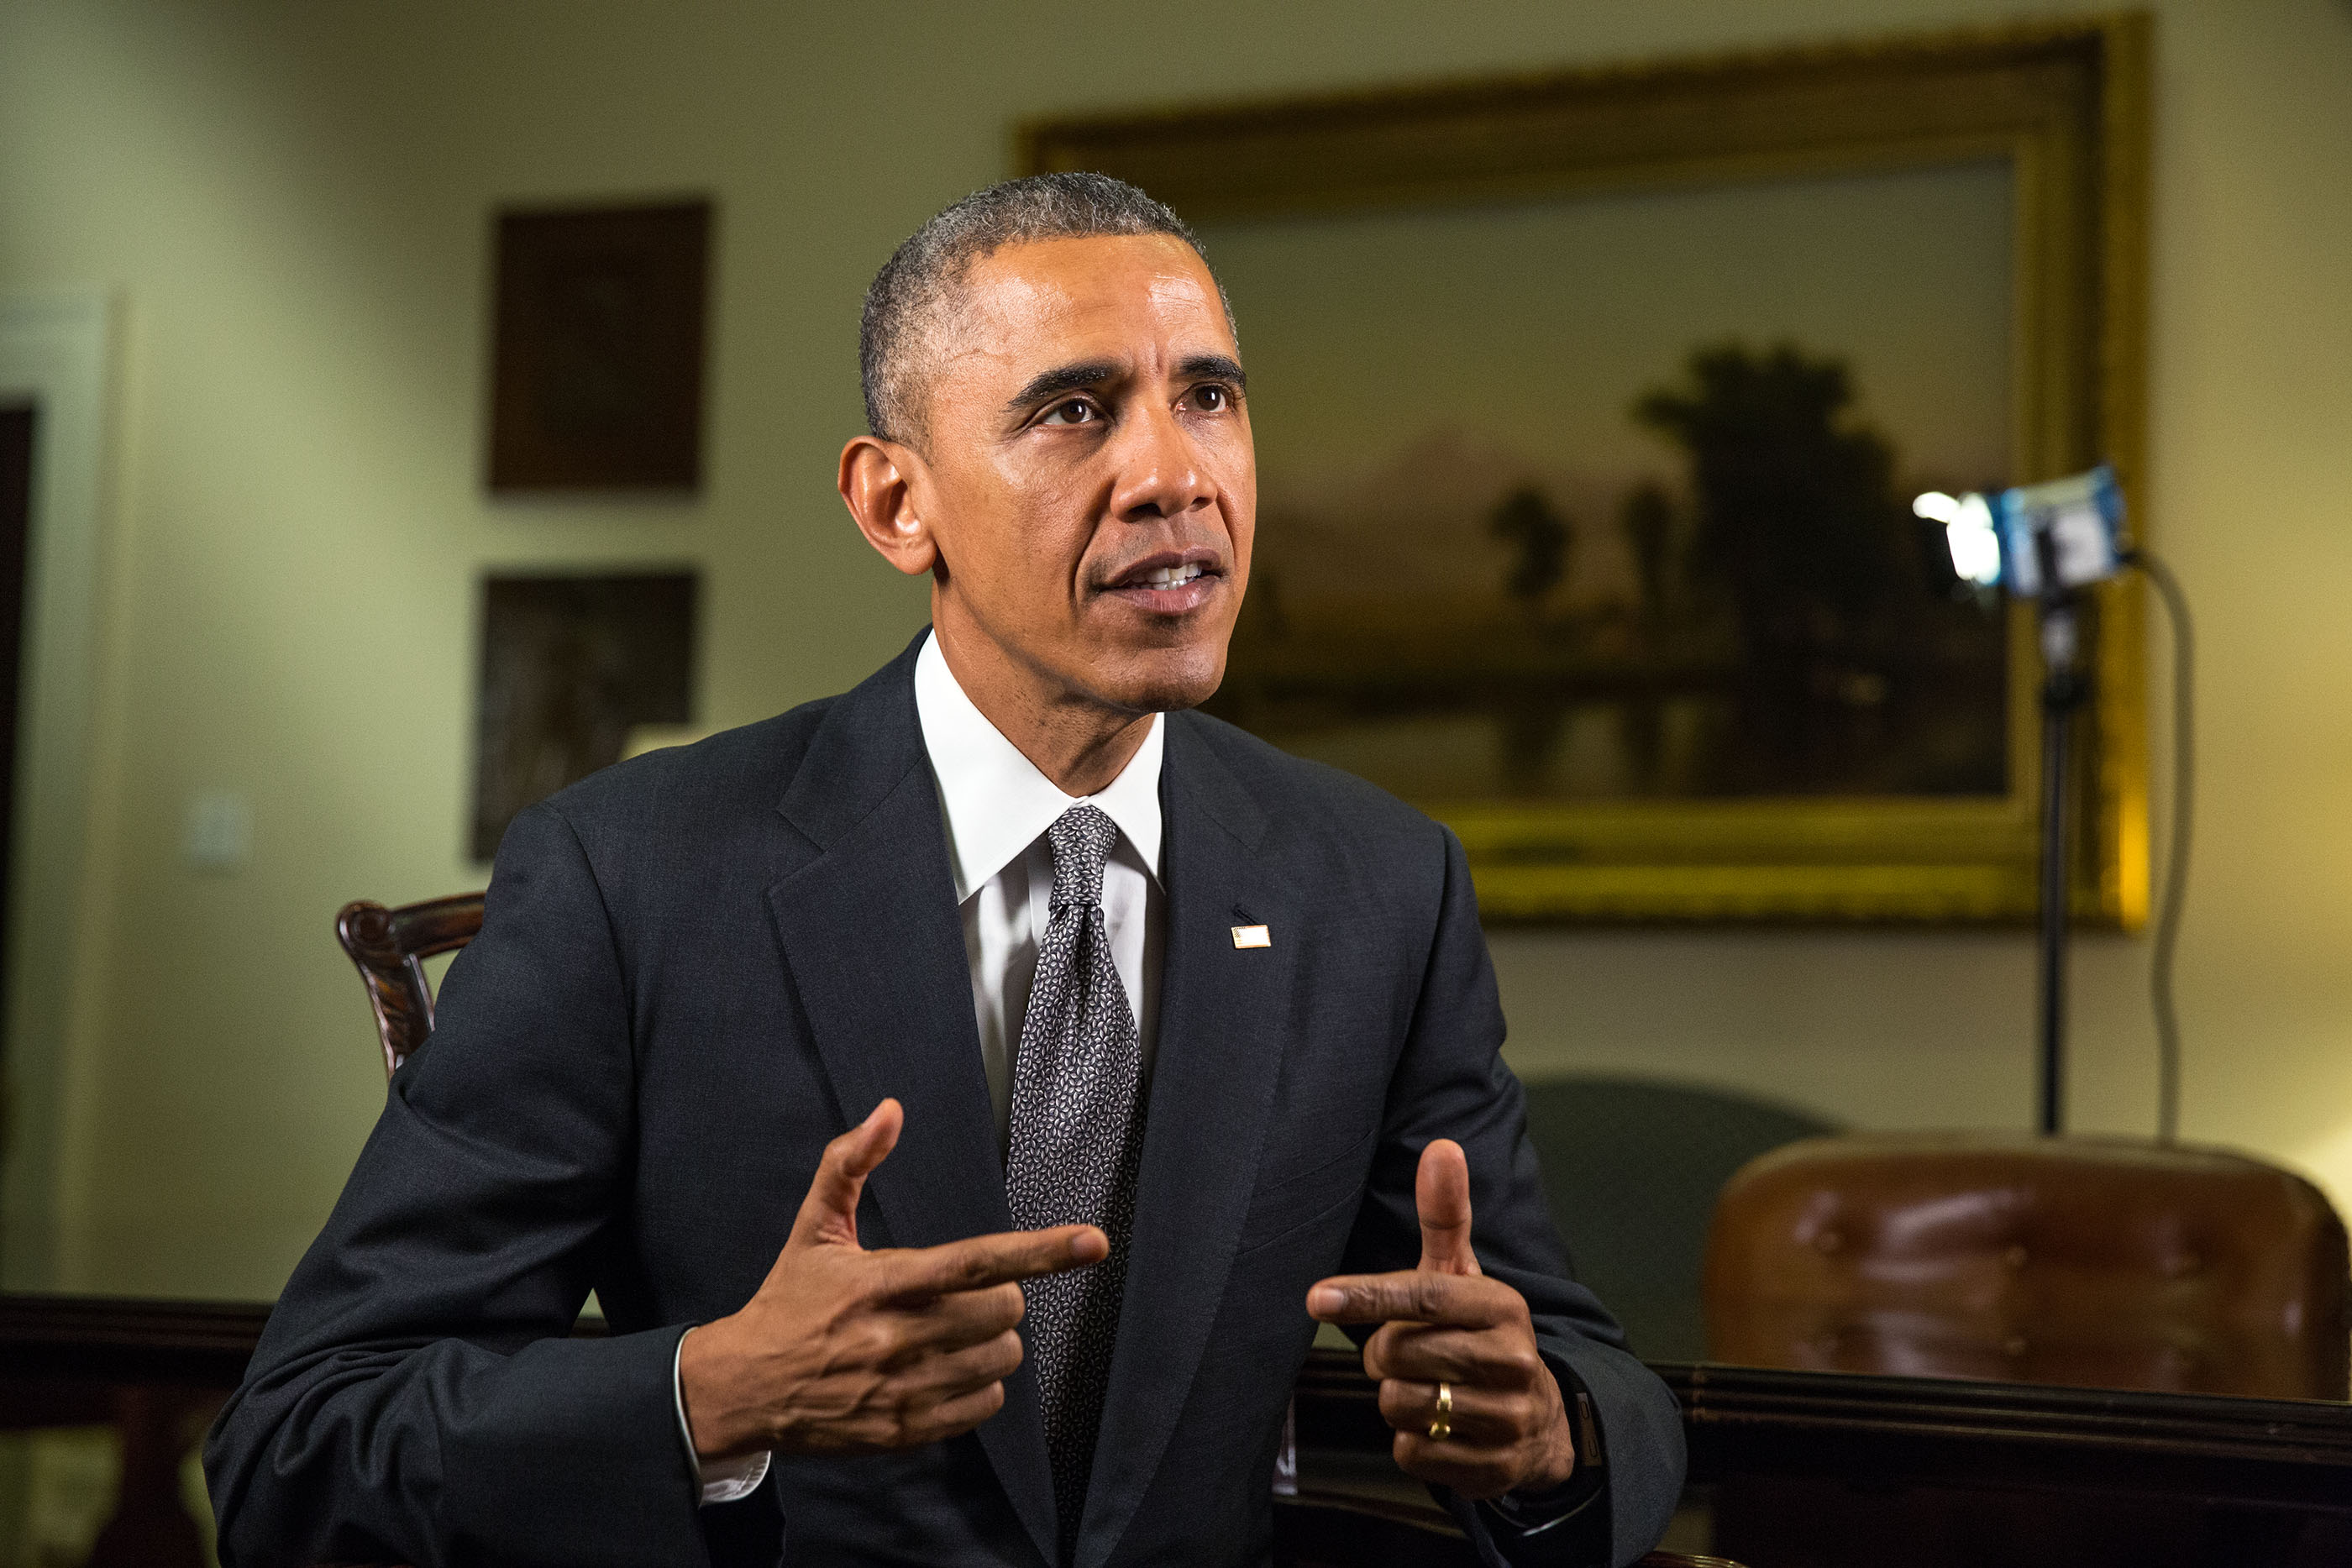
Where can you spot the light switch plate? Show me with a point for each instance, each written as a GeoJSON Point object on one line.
{"type": "Point", "coordinates": [219, 836]}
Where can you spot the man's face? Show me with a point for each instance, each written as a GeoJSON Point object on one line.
{"type": "Point", "coordinates": [1088, 481]}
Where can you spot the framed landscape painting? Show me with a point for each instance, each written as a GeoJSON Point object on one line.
{"type": "Point", "coordinates": [1589, 410]}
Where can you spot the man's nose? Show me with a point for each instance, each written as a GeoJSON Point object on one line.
{"type": "Point", "coordinates": [1160, 473]}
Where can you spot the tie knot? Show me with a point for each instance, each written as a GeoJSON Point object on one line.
{"type": "Point", "coordinates": [1082, 838]}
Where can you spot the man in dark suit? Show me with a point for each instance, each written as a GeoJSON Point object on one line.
{"type": "Point", "coordinates": [781, 1035]}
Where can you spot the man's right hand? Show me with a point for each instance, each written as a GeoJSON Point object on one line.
{"type": "Point", "coordinates": [847, 1351]}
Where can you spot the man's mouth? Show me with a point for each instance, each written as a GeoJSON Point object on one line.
{"type": "Point", "coordinates": [1168, 587]}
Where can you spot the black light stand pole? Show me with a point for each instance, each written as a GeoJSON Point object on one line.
{"type": "Point", "coordinates": [2062, 693]}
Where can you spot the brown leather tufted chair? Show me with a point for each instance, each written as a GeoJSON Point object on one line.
{"type": "Point", "coordinates": [2093, 1263]}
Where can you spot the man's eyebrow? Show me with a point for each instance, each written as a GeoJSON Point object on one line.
{"type": "Point", "coordinates": [1085, 373]}
{"type": "Point", "coordinates": [1213, 368]}
{"type": "Point", "coordinates": [1063, 379]}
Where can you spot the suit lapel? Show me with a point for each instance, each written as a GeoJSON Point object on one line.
{"type": "Point", "coordinates": [1222, 1027]}
{"type": "Point", "coordinates": [871, 934]}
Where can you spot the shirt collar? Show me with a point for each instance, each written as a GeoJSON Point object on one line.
{"type": "Point", "coordinates": [994, 799]}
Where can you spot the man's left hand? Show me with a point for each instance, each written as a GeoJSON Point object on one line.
{"type": "Point", "coordinates": [1446, 1321]}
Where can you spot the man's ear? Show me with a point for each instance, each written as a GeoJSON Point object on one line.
{"type": "Point", "coordinates": [878, 482]}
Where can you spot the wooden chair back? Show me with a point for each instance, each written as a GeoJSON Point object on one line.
{"type": "Point", "coordinates": [389, 946]}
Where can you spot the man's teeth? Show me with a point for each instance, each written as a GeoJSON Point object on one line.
{"type": "Point", "coordinates": [1169, 575]}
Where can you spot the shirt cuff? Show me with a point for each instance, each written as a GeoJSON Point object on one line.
{"type": "Point", "coordinates": [1525, 1516]}
{"type": "Point", "coordinates": [721, 1480]}
{"type": "Point", "coordinates": [1533, 1513]}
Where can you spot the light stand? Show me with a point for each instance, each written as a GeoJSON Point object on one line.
{"type": "Point", "coordinates": [2047, 542]}
{"type": "Point", "coordinates": [2061, 693]}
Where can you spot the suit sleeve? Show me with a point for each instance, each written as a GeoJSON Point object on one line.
{"type": "Point", "coordinates": [416, 1397]}
{"type": "Point", "coordinates": [1450, 1082]}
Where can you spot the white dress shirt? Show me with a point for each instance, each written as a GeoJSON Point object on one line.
{"type": "Point", "coordinates": [995, 807]}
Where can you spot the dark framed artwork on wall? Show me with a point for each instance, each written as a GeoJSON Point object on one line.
{"type": "Point", "coordinates": [1589, 408]}
{"type": "Point", "coordinates": [570, 664]}
{"type": "Point", "coordinates": [596, 377]}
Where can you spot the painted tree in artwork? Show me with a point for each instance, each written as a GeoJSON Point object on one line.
{"type": "Point", "coordinates": [1540, 538]}
{"type": "Point", "coordinates": [1647, 514]}
{"type": "Point", "coordinates": [1796, 503]}
{"type": "Point", "coordinates": [1796, 521]}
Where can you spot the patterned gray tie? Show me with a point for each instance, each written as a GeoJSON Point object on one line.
{"type": "Point", "coordinates": [1076, 1142]}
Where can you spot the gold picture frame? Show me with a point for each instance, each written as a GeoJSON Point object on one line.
{"type": "Point", "coordinates": [2067, 104]}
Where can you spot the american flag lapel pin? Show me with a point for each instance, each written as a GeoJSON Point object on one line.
{"type": "Point", "coordinates": [1252, 936]}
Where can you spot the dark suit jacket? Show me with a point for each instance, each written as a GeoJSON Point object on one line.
{"type": "Point", "coordinates": [698, 968]}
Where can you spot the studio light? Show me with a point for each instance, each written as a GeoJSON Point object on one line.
{"type": "Point", "coordinates": [2044, 544]}
{"type": "Point", "coordinates": [1968, 534]}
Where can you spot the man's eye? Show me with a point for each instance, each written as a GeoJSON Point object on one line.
{"type": "Point", "coordinates": [1211, 399]}
{"type": "Point", "coordinates": [1078, 411]}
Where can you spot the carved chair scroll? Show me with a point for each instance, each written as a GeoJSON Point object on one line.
{"type": "Point", "coordinates": [389, 947]}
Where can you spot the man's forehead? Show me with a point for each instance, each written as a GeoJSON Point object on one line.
{"type": "Point", "coordinates": [1107, 296]}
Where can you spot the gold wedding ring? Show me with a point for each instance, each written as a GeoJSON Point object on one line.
{"type": "Point", "coordinates": [1441, 1425]}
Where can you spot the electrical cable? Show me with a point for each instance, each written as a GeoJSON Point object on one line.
{"type": "Point", "coordinates": [2176, 863]}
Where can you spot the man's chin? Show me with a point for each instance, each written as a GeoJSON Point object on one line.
{"type": "Point", "coordinates": [1166, 680]}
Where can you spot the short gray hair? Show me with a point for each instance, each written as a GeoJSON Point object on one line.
{"type": "Point", "coordinates": [906, 296]}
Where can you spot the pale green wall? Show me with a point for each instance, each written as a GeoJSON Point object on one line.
{"type": "Point", "coordinates": [292, 198]}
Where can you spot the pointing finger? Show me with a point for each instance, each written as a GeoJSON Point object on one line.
{"type": "Point", "coordinates": [1441, 1192]}
{"type": "Point", "coordinates": [981, 1262]}
{"type": "Point", "coordinates": [1418, 1296]}
{"type": "Point", "coordinates": [828, 1214]}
